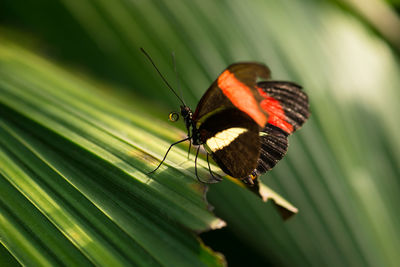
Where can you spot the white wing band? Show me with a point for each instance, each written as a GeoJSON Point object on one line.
{"type": "Point", "coordinates": [224, 138]}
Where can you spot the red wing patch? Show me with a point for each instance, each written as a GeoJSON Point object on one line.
{"type": "Point", "coordinates": [241, 96]}
{"type": "Point", "coordinates": [276, 113]}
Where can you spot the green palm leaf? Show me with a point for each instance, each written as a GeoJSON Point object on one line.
{"type": "Point", "coordinates": [73, 183]}
{"type": "Point", "coordinates": [341, 170]}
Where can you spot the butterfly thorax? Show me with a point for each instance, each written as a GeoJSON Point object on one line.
{"type": "Point", "coordinates": [187, 115]}
{"type": "Point", "coordinates": [196, 137]}
{"type": "Point", "coordinates": [193, 132]}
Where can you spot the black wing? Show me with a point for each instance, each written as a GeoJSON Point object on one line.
{"type": "Point", "coordinates": [247, 73]}
{"type": "Point", "coordinates": [274, 144]}
{"type": "Point", "coordinates": [293, 101]}
{"type": "Point", "coordinates": [232, 139]}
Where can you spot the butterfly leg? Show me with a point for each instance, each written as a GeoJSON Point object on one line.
{"type": "Point", "coordinates": [195, 165]}
{"type": "Point", "coordinates": [218, 178]}
{"type": "Point", "coordinates": [190, 146]}
{"type": "Point", "coordinates": [195, 170]}
{"type": "Point", "coordinates": [165, 156]}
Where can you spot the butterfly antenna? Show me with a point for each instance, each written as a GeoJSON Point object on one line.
{"type": "Point", "coordinates": [176, 75]}
{"type": "Point", "coordinates": [162, 77]}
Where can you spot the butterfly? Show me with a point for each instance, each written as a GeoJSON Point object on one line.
{"type": "Point", "coordinates": [243, 120]}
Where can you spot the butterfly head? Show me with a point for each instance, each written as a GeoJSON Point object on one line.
{"type": "Point", "coordinates": [186, 114]}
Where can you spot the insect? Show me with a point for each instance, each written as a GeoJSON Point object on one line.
{"type": "Point", "coordinates": [243, 120]}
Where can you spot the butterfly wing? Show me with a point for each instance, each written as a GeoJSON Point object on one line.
{"type": "Point", "coordinates": [274, 145]}
{"type": "Point", "coordinates": [235, 88]}
{"type": "Point", "coordinates": [287, 106]}
{"type": "Point", "coordinates": [269, 111]}
{"type": "Point", "coordinates": [232, 139]}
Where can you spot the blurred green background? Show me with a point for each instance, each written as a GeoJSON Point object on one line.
{"type": "Point", "coordinates": [342, 170]}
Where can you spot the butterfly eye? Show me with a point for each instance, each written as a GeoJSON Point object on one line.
{"type": "Point", "coordinates": [173, 116]}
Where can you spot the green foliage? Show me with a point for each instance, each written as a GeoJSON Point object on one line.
{"type": "Point", "coordinates": [73, 174]}
{"type": "Point", "coordinates": [85, 150]}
